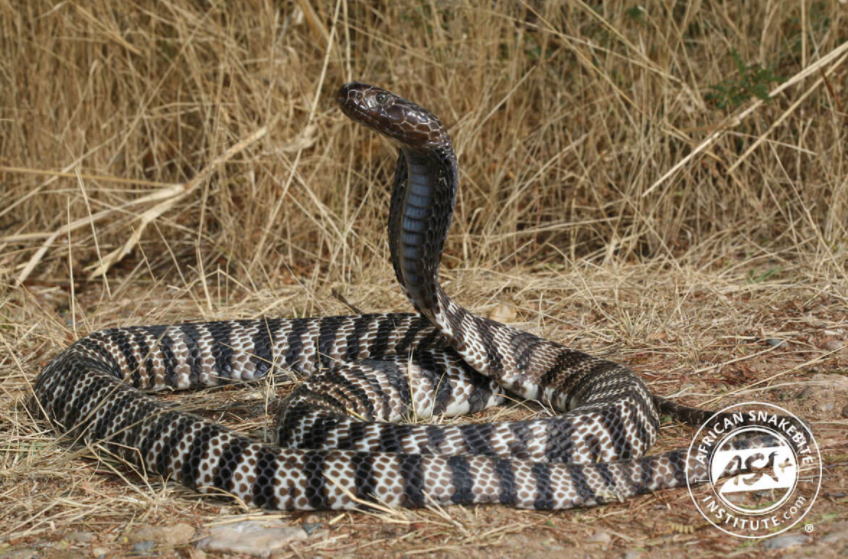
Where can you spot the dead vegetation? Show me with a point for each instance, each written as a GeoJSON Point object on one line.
{"type": "Point", "coordinates": [627, 184]}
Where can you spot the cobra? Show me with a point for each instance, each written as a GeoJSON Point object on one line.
{"type": "Point", "coordinates": [339, 443]}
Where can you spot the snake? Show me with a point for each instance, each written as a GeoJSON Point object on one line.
{"type": "Point", "coordinates": [354, 433]}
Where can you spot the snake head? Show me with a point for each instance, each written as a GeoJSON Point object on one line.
{"type": "Point", "coordinates": [399, 119]}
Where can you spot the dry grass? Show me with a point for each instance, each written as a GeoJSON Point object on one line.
{"type": "Point", "coordinates": [194, 153]}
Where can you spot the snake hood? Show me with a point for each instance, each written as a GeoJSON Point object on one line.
{"type": "Point", "coordinates": [424, 189]}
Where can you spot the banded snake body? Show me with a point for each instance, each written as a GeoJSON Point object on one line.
{"type": "Point", "coordinates": [339, 445]}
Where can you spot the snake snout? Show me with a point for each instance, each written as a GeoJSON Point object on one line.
{"type": "Point", "coordinates": [352, 92]}
{"type": "Point", "coordinates": [344, 93]}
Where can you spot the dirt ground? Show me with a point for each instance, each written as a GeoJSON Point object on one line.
{"type": "Point", "coordinates": [698, 336]}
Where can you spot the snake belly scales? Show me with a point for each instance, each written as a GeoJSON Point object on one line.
{"type": "Point", "coordinates": [338, 444]}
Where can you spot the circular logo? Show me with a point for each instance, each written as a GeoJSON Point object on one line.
{"type": "Point", "coordinates": [754, 470]}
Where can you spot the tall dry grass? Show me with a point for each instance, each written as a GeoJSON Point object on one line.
{"type": "Point", "coordinates": [565, 116]}
{"type": "Point", "coordinates": [194, 149]}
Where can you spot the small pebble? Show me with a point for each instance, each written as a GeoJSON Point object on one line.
{"type": "Point", "coordinates": [503, 312]}
{"type": "Point", "coordinates": [167, 535]}
{"type": "Point", "coordinates": [254, 537]}
{"type": "Point", "coordinates": [833, 345]}
{"type": "Point", "coordinates": [98, 552]}
{"type": "Point", "coordinates": [310, 527]}
{"type": "Point", "coordinates": [144, 547]}
{"type": "Point", "coordinates": [789, 540]}
{"type": "Point", "coordinates": [837, 534]}
{"type": "Point", "coordinates": [774, 342]}
{"type": "Point", "coordinates": [600, 537]}
{"type": "Point", "coordinates": [79, 536]}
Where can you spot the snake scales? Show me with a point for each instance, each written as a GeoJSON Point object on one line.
{"type": "Point", "coordinates": [338, 444]}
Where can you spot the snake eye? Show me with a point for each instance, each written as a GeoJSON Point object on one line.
{"type": "Point", "coordinates": [381, 98]}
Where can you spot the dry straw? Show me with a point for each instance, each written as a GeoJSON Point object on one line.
{"type": "Point", "coordinates": [629, 186]}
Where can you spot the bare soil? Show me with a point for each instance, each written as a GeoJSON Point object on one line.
{"type": "Point", "coordinates": [700, 337]}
